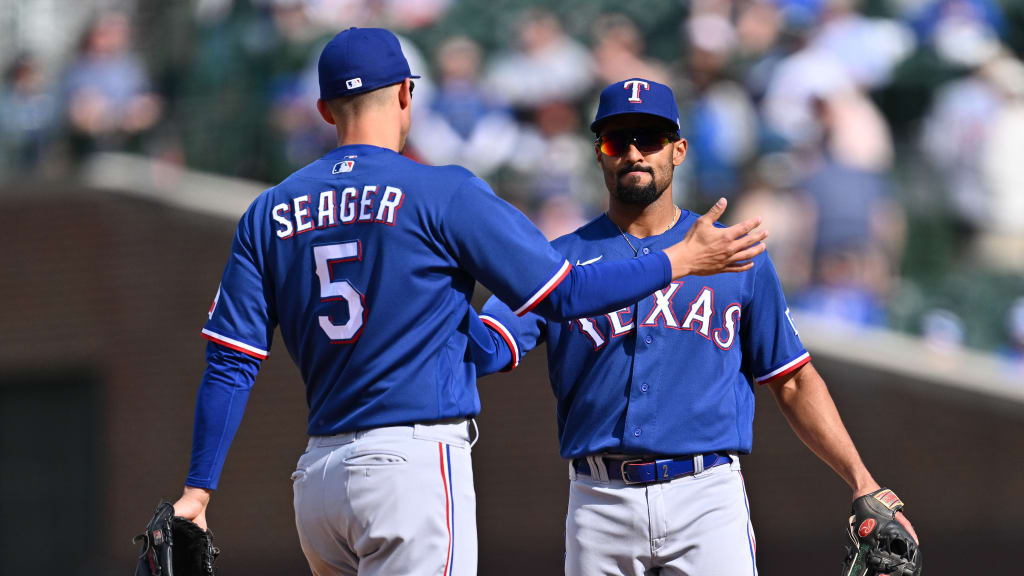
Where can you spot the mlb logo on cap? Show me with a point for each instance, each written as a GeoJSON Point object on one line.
{"type": "Point", "coordinates": [637, 96]}
{"type": "Point", "coordinates": [359, 60]}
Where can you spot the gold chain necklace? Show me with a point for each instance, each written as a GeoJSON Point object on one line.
{"type": "Point", "coordinates": [636, 253]}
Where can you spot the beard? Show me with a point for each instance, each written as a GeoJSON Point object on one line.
{"type": "Point", "coordinates": [637, 195]}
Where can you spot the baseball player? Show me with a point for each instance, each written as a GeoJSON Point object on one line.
{"type": "Point", "coordinates": [655, 400]}
{"type": "Point", "coordinates": [367, 262]}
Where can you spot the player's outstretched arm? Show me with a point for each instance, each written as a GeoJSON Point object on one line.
{"type": "Point", "coordinates": [807, 405]}
{"type": "Point", "coordinates": [708, 249]}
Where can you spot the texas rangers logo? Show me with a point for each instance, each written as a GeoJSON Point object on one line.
{"type": "Point", "coordinates": [635, 86]}
{"type": "Point", "coordinates": [343, 166]}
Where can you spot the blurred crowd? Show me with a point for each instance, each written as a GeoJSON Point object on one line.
{"type": "Point", "coordinates": [882, 140]}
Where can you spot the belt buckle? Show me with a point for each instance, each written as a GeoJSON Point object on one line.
{"type": "Point", "coordinates": [622, 471]}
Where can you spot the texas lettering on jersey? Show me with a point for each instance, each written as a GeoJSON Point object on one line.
{"type": "Point", "coordinates": [672, 374]}
{"type": "Point", "coordinates": [698, 319]}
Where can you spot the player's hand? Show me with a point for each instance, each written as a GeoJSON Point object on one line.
{"type": "Point", "coordinates": [192, 505]}
{"type": "Point", "coordinates": [902, 519]}
{"type": "Point", "coordinates": [707, 249]}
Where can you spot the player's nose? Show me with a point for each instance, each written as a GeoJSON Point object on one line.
{"type": "Point", "coordinates": [633, 154]}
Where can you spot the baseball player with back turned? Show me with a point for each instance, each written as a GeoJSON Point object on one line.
{"type": "Point", "coordinates": [367, 262]}
{"type": "Point", "coordinates": [655, 400]}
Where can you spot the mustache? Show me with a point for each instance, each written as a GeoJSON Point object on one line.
{"type": "Point", "coordinates": [635, 168]}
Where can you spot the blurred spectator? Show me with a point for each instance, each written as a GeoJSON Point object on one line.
{"type": "Point", "coordinates": [972, 137]}
{"type": "Point", "coordinates": [108, 100]}
{"type": "Point", "coordinates": [853, 260]}
{"type": "Point", "coordinates": [300, 135]}
{"type": "Point", "coordinates": [618, 48]}
{"type": "Point", "coordinates": [722, 122]}
{"type": "Point", "coordinates": [28, 115]}
{"type": "Point", "coordinates": [868, 48]}
{"type": "Point", "coordinates": [558, 215]}
{"type": "Point", "coordinates": [466, 125]}
{"type": "Point", "coordinates": [553, 159]}
{"type": "Point", "coordinates": [759, 26]}
{"type": "Point", "coordinates": [787, 212]}
{"type": "Point", "coordinates": [953, 133]}
{"type": "Point", "coordinates": [861, 230]}
{"type": "Point", "coordinates": [546, 65]}
{"type": "Point", "coordinates": [1002, 242]}
{"type": "Point", "coordinates": [963, 32]}
{"type": "Point", "coordinates": [797, 83]}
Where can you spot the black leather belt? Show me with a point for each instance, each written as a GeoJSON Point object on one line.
{"type": "Point", "coordinates": [648, 471]}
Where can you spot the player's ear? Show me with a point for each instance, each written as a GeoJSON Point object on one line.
{"type": "Point", "coordinates": [325, 111]}
{"type": "Point", "coordinates": [405, 94]}
{"type": "Point", "coordinates": [678, 151]}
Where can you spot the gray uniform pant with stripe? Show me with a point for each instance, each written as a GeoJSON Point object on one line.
{"type": "Point", "coordinates": [395, 500]}
{"type": "Point", "coordinates": [695, 525]}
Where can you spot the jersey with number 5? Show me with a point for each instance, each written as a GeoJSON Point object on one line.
{"type": "Point", "coordinates": [366, 260]}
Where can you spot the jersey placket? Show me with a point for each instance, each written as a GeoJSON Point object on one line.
{"type": "Point", "coordinates": [641, 410]}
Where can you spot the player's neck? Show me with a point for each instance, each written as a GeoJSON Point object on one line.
{"type": "Point", "coordinates": [643, 221]}
{"type": "Point", "coordinates": [379, 130]}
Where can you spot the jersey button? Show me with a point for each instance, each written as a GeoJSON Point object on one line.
{"type": "Point", "coordinates": [644, 387]}
{"type": "Point", "coordinates": [648, 339]}
{"type": "Point", "coordinates": [636, 431]}
{"type": "Point", "coordinates": [647, 250]}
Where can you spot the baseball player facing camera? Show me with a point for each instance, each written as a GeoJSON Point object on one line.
{"type": "Point", "coordinates": [367, 262]}
{"type": "Point", "coordinates": [656, 400]}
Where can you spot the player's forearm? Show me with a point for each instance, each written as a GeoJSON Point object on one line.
{"type": "Point", "coordinates": [808, 407]}
{"type": "Point", "coordinates": [605, 287]}
{"type": "Point", "coordinates": [488, 348]}
{"type": "Point", "coordinates": [220, 404]}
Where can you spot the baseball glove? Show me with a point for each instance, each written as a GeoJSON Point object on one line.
{"type": "Point", "coordinates": [174, 546]}
{"type": "Point", "coordinates": [881, 546]}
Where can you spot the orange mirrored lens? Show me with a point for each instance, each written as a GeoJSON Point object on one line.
{"type": "Point", "coordinates": [617, 143]}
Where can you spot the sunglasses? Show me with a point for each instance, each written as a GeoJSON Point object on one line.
{"type": "Point", "coordinates": [646, 141]}
{"type": "Point", "coordinates": [412, 86]}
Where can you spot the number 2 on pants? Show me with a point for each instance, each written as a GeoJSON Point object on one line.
{"type": "Point", "coordinates": [332, 290]}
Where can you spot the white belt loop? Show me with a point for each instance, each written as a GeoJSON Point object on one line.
{"type": "Point", "coordinates": [735, 457]}
{"type": "Point", "coordinates": [598, 471]}
{"type": "Point", "coordinates": [698, 464]}
{"type": "Point", "coordinates": [476, 432]}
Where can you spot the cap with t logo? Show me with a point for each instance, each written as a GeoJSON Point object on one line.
{"type": "Point", "coordinates": [637, 96]}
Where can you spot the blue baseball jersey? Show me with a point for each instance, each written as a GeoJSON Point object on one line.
{"type": "Point", "coordinates": [367, 261]}
{"type": "Point", "coordinates": [672, 374]}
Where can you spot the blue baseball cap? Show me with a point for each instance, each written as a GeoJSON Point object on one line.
{"type": "Point", "coordinates": [359, 60]}
{"type": "Point", "coordinates": [637, 96]}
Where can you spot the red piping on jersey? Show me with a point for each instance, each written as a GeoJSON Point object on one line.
{"type": "Point", "coordinates": [790, 370]}
{"type": "Point", "coordinates": [558, 280]}
{"type": "Point", "coordinates": [507, 337]}
{"type": "Point", "coordinates": [234, 347]}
